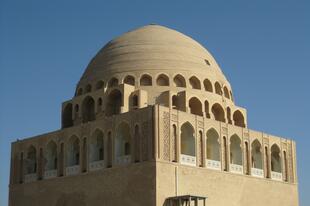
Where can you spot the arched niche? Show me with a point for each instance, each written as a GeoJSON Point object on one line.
{"type": "Point", "coordinates": [73, 151]}
{"type": "Point", "coordinates": [213, 145]}
{"type": "Point", "coordinates": [51, 156]}
{"type": "Point", "coordinates": [114, 103]}
{"type": "Point", "coordinates": [235, 150]}
{"type": "Point", "coordinates": [96, 146]}
{"type": "Point", "coordinates": [179, 81]}
{"type": "Point", "coordinates": [67, 120]}
{"type": "Point", "coordinates": [208, 85]}
{"type": "Point", "coordinates": [195, 82]}
{"type": "Point", "coordinates": [188, 140]}
{"type": "Point", "coordinates": [123, 140]}
{"type": "Point", "coordinates": [218, 112]}
{"type": "Point", "coordinates": [195, 106]}
{"type": "Point", "coordinates": [275, 159]}
{"type": "Point", "coordinates": [218, 88]}
{"type": "Point", "coordinates": [239, 119]}
{"type": "Point", "coordinates": [226, 92]}
{"type": "Point", "coordinates": [162, 80]}
{"type": "Point", "coordinates": [146, 80]}
{"type": "Point", "coordinates": [31, 160]}
{"type": "Point", "coordinates": [88, 109]}
{"type": "Point", "coordinates": [256, 154]}
{"type": "Point", "coordinates": [129, 79]}
{"type": "Point", "coordinates": [113, 82]}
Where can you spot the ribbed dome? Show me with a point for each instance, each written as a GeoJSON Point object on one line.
{"type": "Point", "coordinates": [152, 48]}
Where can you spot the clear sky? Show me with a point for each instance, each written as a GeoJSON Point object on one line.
{"type": "Point", "coordinates": [263, 47]}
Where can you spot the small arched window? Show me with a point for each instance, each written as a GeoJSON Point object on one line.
{"type": "Point", "coordinates": [31, 161]}
{"type": "Point", "coordinates": [218, 112]}
{"type": "Point", "coordinates": [113, 82]}
{"type": "Point", "coordinates": [226, 93]}
{"type": "Point", "coordinates": [195, 106]}
{"type": "Point", "coordinates": [162, 80]}
{"type": "Point", "coordinates": [146, 80]}
{"type": "Point", "coordinates": [96, 146]}
{"type": "Point", "coordinates": [122, 140]}
{"type": "Point", "coordinates": [67, 120]}
{"type": "Point", "coordinates": [235, 150]}
{"type": "Point", "coordinates": [256, 154]}
{"type": "Point", "coordinates": [213, 145]}
{"type": "Point", "coordinates": [218, 88]}
{"type": "Point", "coordinates": [187, 140]}
{"type": "Point", "coordinates": [238, 119]}
{"type": "Point", "coordinates": [73, 152]}
{"type": "Point", "coordinates": [88, 109]}
{"type": "Point", "coordinates": [275, 159]}
{"type": "Point", "coordinates": [129, 80]}
{"type": "Point", "coordinates": [208, 85]}
{"type": "Point", "coordinates": [51, 156]}
{"type": "Point", "coordinates": [179, 81]}
{"type": "Point", "coordinates": [195, 82]}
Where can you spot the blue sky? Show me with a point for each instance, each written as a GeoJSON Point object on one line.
{"type": "Point", "coordinates": [263, 47]}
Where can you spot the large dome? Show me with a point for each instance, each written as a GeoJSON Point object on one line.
{"type": "Point", "coordinates": [152, 48]}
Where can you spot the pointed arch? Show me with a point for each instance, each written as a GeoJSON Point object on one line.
{"type": "Point", "coordinates": [195, 82]}
{"type": "Point", "coordinates": [195, 106]}
{"type": "Point", "coordinates": [114, 103]}
{"type": "Point", "coordinates": [123, 140]}
{"type": "Point", "coordinates": [276, 159]}
{"type": "Point", "coordinates": [188, 139]}
{"type": "Point", "coordinates": [226, 92]}
{"type": "Point", "coordinates": [162, 80]}
{"type": "Point", "coordinates": [67, 120]}
{"type": "Point", "coordinates": [51, 156]}
{"type": "Point", "coordinates": [213, 145]}
{"type": "Point", "coordinates": [88, 109]}
{"type": "Point", "coordinates": [113, 82]}
{"type": "Point", "coordinates": [256, 155]}
{"type": "Point", "coordinates": [31, 160]}
{"type": "Point", "coordinates": [146, 80]}
{"type": "Point", "coordinates": [179, 81]}
{"type": "Point", "coordinates": [235, 150]}
{"type": "Point", "coordinates": [228, 114]}
{"type": "Point", "coordinates": [218, 112]}
{"type": "Point", "coordinates": [73, 152]}
{"type": "Point", "coordinates": [207, 109]}
{"type": "Point", "coordinates": [96, 146]}
{"type": "Point", "coordinates": [208, 85]}
{"type": "Point", "coordinates": [218, 88]}
{"type": "Point", "coordinates": [239, 119]}
{"type": "Point", "coordinates": [129, 79]}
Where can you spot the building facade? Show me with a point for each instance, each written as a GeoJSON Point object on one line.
{"type": "Point", "coordinates": [153, 122]}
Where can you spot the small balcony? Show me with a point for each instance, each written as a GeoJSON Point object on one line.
{"type": "Point", "coordinates": [96, 165]}
{"type": "Point", "coordinates": [255, 172]}
{"type": "Point", "coordinates": [238, 169]}
{"type": "Point", "coordinates": [31, 177]}
{"type": "Point", "coordinates": [50, 174]}
{"type": "Point", "coordinates": [276, 176]}
{"type": "Point", "coordinates": [123, 160]}
{"type": "Point", "coordinates": [213, 164]}
{"type": "Point", "coordinates": [188, 160]}
{"type": "Point", "coordinates": [73, 170]}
